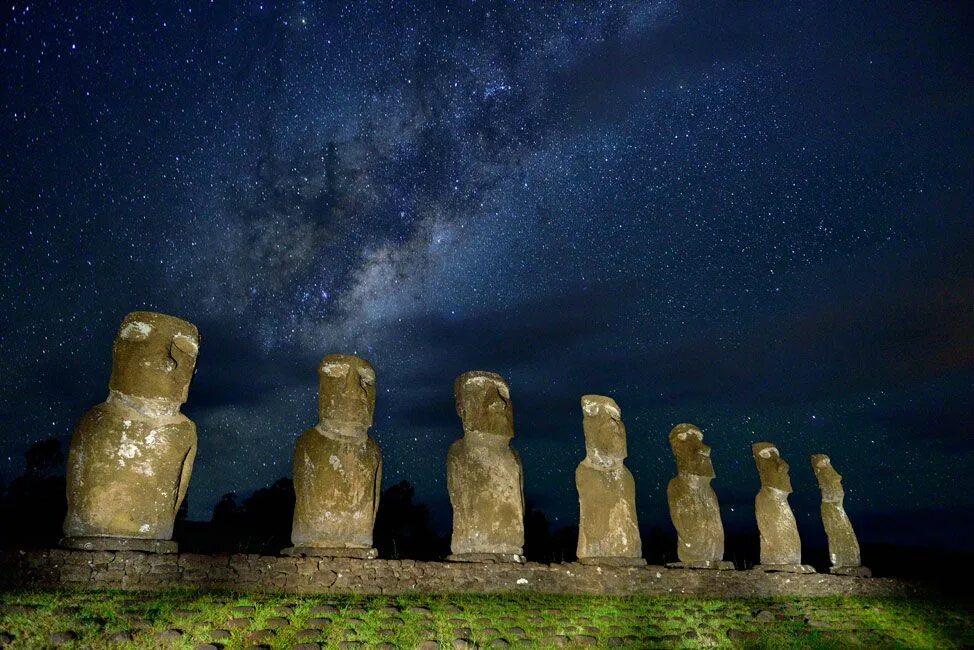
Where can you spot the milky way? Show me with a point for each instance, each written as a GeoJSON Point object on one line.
{"type": "Point", "coordinates": [754, 219]}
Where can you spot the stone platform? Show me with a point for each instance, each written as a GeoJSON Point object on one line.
{"type": "Point", "coordinates": [134, 570]}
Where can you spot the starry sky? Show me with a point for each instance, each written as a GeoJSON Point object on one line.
{"type": "Point", "coordinates": [756, 217]}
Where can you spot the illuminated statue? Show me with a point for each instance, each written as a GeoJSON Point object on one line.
{"type": "Point", "coordinates": [780, 545]}
{"type": "Point", "coordinates": [608, 532]}
{"type": "Point", "coordinates": [484, 475]}
{"type": "Point", "coordinates": [693, 503]}
{"type": "Point", "coordinates": [843, 545]}
{"type": "Point", "coordinates": [132, 455]}
{"type": "Point", "coordinates": [337, 466]}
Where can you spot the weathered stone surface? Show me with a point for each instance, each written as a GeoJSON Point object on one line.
{"type": "Point", "coordinates": [131, 456]}
{"type": "Point", "coordinates": [608, 531]}
{"type": "Point", "coordinates": [843, 545]}
{"type": "Point", "coordinates": [484, 474]}
{"type": "Point", "coordinates": [490, 558]}
{"type": "Point", "coordinates": [781, 549]}
{"type": "Point", "coordinates": [856, 571]}
{"type": "Point", "coordinates": [315, 551]}
{"type": "Point", "coordinates": [693, 503]}
{"type": "Point", "coordinates": [337, 466]}
{"type": "Point", "coordinates": [120, 544]}
{"type": "Point", "coordinates": [722, 565]}
{"type": "Point", "coordinates": [261, 574]}
{"type": "Point", "coordinates": [764, 567]}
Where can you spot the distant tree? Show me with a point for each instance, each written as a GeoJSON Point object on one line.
{"type": "Point", "coordinates": [35, 504]}
{"type": "Point", "coordinates": [267, 515]}
{"type": "Point", "coordinates": [403, 528]}
{"type": "Point", "coordinates": [541, 544]}
{"type": "Point", "coordinates": [564, 544]}
{"type": "Point", "coordinates": [226, 512]}
{"type": "Point", "coordinates": [44, 458]}
{"type": "Point", "coordinates": [537, 536]}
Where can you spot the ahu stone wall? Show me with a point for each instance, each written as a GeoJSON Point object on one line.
{"type": "Point", "coordinates": [255, 573]}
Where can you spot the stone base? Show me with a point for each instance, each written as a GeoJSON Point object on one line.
{"type": "Point", "coordinates": [321, 551]}
{"type": "Point", "coordinates": [487, 558]}
{"type": "Point", "coordinates": [713, 565]}
{"type": "Point", "coordinates": [120, 544]}
{"type": "Point", "coordinates": [855, 571]}
{"type": "Point", "coordinates": [612, 561]}
{"type": "Point", "coordinates": [783, 568]}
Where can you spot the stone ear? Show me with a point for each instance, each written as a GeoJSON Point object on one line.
{"type": "Point", "coordinates": [182, 347]}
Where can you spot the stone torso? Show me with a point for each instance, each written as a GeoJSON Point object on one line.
{"type": "Point", "coordinates": [336, 485]}
{"type": "Point", "coordinates": [607, 515]}
{"type": "Point", "coordinates": [127, 473]}
{"type": "Point", "coordinates": [780, 543]}
{"type": "Point", "coordinates": [696, 517]}
{"type": "Point", "coordinates": [485, 483]}
{"type": "Point", "coordinates": [843, 545]}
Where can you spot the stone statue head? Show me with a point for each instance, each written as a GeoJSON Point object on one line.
{"type": "Point", "coordinates": [692, 456]}
{"type": "Point", "coordinates": [772, 468]}
{"type": "Point", "coordinates": [829, 480]}
{"type": "Point", "coordinates": [605, 434]}
{"type": "Point", "coordinates": [346, 392]}
{"type": "Point", "coordinates": [154, 357]}
{"type": "Point", "coordinates": [484, 403]}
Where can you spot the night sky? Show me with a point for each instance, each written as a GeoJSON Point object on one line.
{"type": "Point", "coordinates": [754, 218]}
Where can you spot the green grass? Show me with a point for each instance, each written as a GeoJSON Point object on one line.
{"type": "Point", "coordinates": [522, 620]}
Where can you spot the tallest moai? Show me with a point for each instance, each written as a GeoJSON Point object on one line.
{"type": "Point", "coordinates": [132, 455]}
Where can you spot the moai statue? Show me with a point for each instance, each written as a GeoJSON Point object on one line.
{"type": "Point", "coordinates": [608, 532]}
{"type": "Point", "coordinates": [484, 475]}
{"type": "Point", "coordinates": [781, 548]}
{"type": "Point", "coordinates": [337, 466]}
{"type": "Point", "coordinates": [693, 503]}
{"type": "Point", "coordinates": [132, 455]}
{"type": "Point", "coordinates": [843, 545]}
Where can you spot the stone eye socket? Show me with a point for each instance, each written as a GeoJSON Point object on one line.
{"type": "Point", "coordinates": [367, 376]}
{"type": "Point", "coordinates": [765, 453]}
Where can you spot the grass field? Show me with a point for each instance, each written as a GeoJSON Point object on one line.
{"type": "Point", "coordinates": [183, 619]}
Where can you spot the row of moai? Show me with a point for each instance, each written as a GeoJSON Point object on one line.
{"type": "Point", "coordinates": [131, 458]}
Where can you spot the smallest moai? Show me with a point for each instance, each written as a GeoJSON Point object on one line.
{"type": "Point", "coordinates": [781, 548]}
{"type": "Point", "coordinates": [608, 532]}
{"type": "Point", "coordinates": [843, 545]}
{"type": "Point", "coordinates": [693, 503]}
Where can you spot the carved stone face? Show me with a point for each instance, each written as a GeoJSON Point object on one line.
{"type": "Point", "coordinates": [692, 456]}
{"type": "Point", "coordinates": [605, 434]}
{"type": "Point", "coordinates": [484, 403]}
{"type": "Point", "coordinates": [772, 468]}
{"type": "Point", "coordinates": [346, 391]}
{"type": "Point", "coordinates": [154, 356]}
{"type": "Point", "coordinates": [829, 480]}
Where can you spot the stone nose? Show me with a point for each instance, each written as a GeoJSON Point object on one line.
{"type": "Point", "coordinates": [351, 382]}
